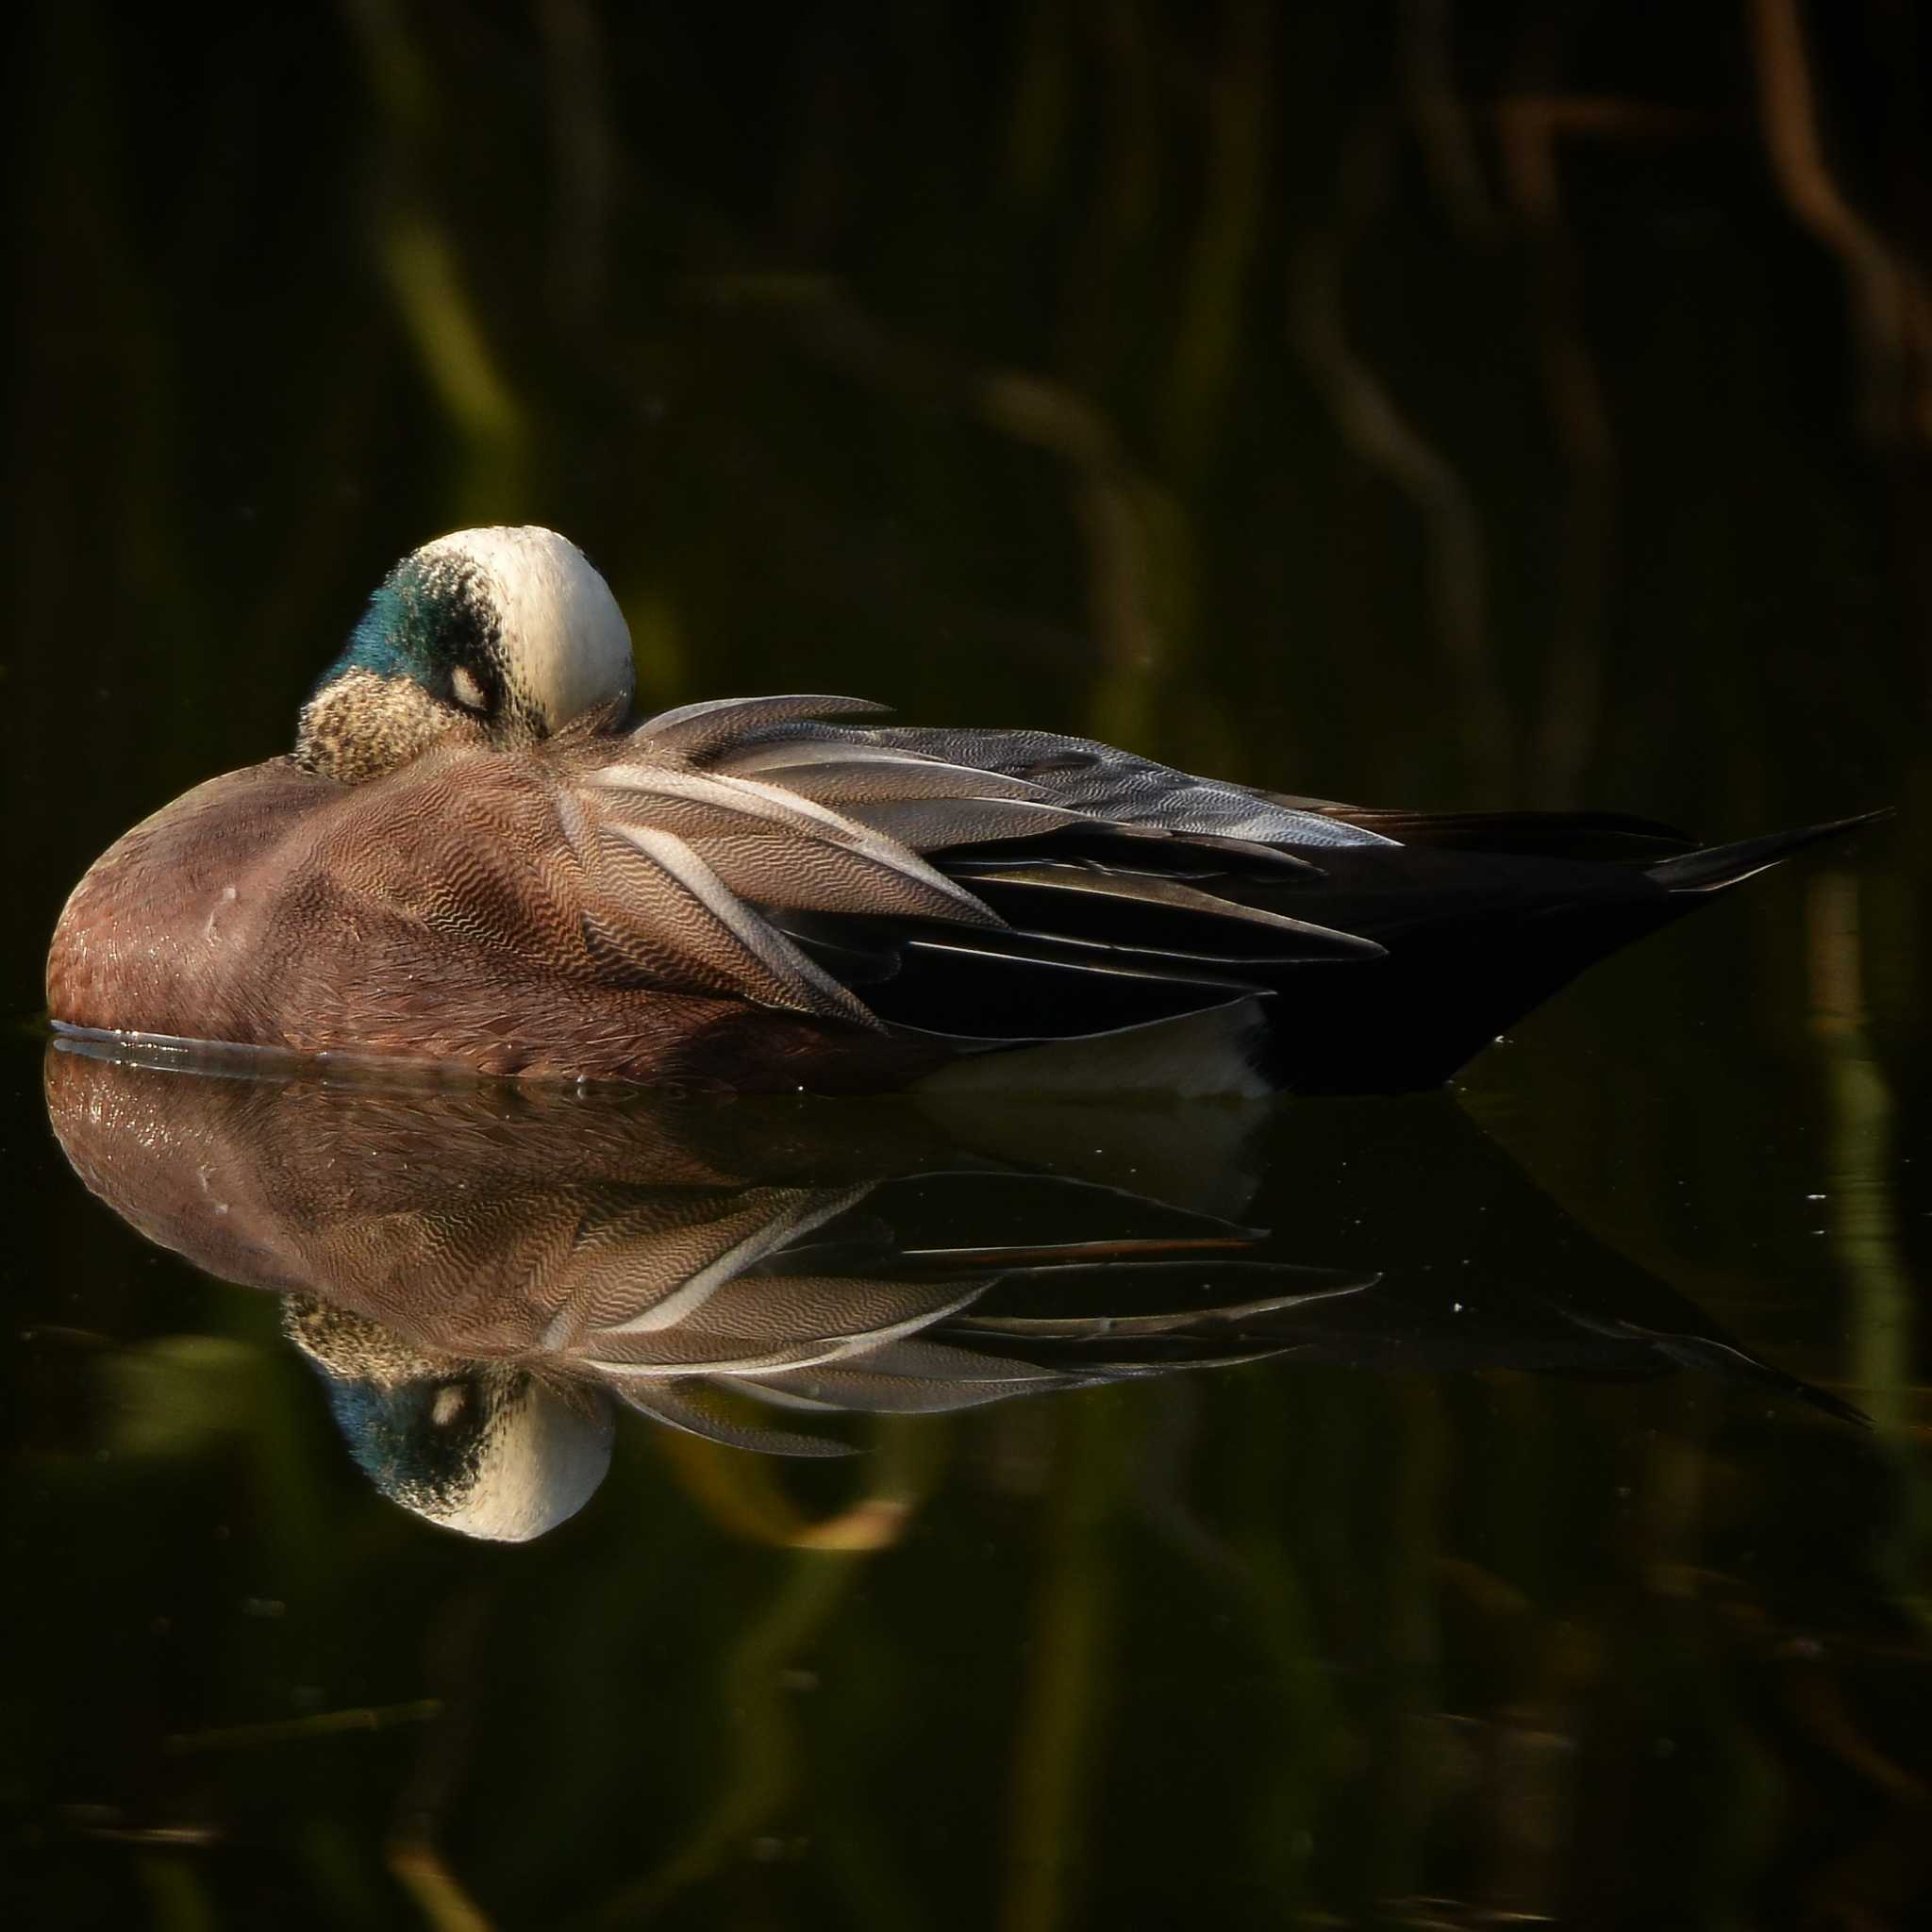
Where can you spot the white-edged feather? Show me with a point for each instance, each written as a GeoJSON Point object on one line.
{"type": "Point", "coordinates": [699, 730]}
{"type": "Point", "coordinates": [773, 846]}
{"type": "Point", "coordinates": [806, 1353]}
{"type": "Point", "coordinates": [812, 1208]}
{"type": "Point", "coordinates": [774, 971]}
{"type": "Point", "coordinates": [835, 773]}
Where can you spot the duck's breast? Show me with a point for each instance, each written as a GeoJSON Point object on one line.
{"type": "Point", "coordinates": [164, 933]}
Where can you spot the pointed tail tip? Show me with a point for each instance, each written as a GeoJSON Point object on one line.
{"type": "Point", "coordinates": [1713, 867]}
{"type": "Point", "coordinates": [1834, 1405]}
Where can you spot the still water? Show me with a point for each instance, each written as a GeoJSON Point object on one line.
{"type": "Point", "coordinates": [1300, 1513]}
{"type": "Point", "coordinates": [1434, 1512]}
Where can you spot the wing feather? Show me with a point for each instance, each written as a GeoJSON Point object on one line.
{"type": "Point", "coordinates": [766, 846]}
{"type": "Point", "coordinates": [662, 898]}
{"type": "Point", "coordinates": [845, 773]}
{"type": "Point", "coordinates": [678, 1409]}
{"type": "Point", "coordinates": [936, 825]}
{"type": "Point", "coordinates": [1154, 891]}
{"type": "Point", "coordinates": [700, 730]}
{"type": "Point", "coordinates": [1117, 787]}
{"type": "Point", "coordinates": [773, 848]}
{"type": "Point", "coordinates": [777, 1218]}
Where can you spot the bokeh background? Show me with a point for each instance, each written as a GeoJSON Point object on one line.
{"type": "Point", "coordinates": [1440, 404]}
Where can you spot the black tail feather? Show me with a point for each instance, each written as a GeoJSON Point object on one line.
{"type": "Point", "coordinates": [1596, 835]}
{"type": "Point", "coordinates": [1714, 867]}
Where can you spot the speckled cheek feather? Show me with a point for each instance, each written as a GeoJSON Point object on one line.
{"type": "Point", "coordinates": [361, 726]}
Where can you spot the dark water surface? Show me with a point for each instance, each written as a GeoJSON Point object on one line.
{"type": "Point", "coordinates": [1370, 402]}
{"type": "Point", "coordinates": [1524, 1561]}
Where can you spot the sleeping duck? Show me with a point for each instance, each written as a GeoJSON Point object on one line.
{"type": "Point", "coordinates": [478, 859]}
{"type": "Point", "coordinates": [486, 1281]}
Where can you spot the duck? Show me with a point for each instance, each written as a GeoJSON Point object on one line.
{"type": "Point", "coordinates": [487, 1285]}
{"type": "Point", "coordinates": [477, 860]}
{"type": "Point", "coordinates": [481, 1287]}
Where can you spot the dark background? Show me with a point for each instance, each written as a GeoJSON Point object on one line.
{"type": "Point", "coordinates": [1426, 404]}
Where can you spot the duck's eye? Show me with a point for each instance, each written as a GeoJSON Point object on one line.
{"type": "Point", "coordinates": [467, 689]}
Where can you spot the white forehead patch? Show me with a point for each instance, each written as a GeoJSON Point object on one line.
{"type": "Point", "coordinates": [539, 1463]}
{"type": "Point", "coordinates": [566, 642]}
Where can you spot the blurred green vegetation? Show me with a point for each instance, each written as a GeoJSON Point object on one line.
{"type": "Point", "coordinates": [1446, 405]}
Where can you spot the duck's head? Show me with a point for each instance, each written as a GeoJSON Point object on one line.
{"type": "Point", "coordinates": [504, 635]}
{"type": "Point", "coordinates": [488, 1448]}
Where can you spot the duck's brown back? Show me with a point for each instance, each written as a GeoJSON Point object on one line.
{"type": "Point", "coordinates": [439, 915]}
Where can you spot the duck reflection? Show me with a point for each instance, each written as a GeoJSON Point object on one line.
{"type": "Point", "coordinates": [482, 1275]}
